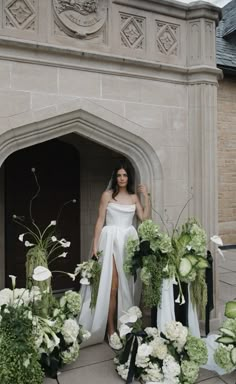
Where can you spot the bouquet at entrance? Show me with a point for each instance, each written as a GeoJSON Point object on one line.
{"type": "Point", "coordinates": [180, 257]}
{"type": "Point", "coordinates": [171, 357]}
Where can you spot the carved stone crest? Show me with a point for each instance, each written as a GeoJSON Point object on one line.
{"type": "Point", "coordinates": [80, 18]}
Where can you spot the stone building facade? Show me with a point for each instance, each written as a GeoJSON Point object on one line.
{"type": "Point", "coordinates": [114, 78]}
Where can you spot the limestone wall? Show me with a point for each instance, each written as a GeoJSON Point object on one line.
{"type": "Point", "coordinates": [137, 77]}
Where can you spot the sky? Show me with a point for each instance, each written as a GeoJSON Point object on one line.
{"type": "Point", "coordinates": [219, 3]}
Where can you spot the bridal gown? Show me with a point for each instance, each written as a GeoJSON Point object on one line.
{"type": "Point", "coordinates": [117, 230]}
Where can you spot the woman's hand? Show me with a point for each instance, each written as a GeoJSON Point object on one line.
{"type": "Point", "coordinates": [143, 189]}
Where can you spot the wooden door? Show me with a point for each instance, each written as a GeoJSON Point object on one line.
{"type": "Point", "coordinates": [57, 167]}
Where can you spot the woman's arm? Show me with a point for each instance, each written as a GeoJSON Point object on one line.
{"type": "Point", "coordinates": [143, 212]}
{"type": "Point", "coordinates": [105, 198]}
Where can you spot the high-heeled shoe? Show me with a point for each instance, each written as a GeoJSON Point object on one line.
{"type": "Point", "coordinates": [115, 342]}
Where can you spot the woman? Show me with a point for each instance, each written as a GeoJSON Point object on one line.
{"type": "Point", "coordinates": [117, 208]}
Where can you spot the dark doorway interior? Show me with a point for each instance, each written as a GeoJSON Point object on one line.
{"type": "Point", "coordinates": [57, 167]}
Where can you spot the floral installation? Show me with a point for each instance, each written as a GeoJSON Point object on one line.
{"type": "Point", "coordinates": [90, 272]}
{"type": "Point", "coordinates": [181, 257]}
{"type": "Point", "coordinates": [225, 354]}
{"type": "Point", "coordinates": [172, 357]}
{"type": "Point", "coordinates": [54, 335]}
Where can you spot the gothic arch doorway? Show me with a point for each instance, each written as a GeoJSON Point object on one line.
{"type": "Point", "coordinates": [96, 124]}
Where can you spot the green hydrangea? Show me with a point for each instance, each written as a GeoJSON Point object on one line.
{"type": "Point", "coordinates": [222, 357]}
{"type": "Point", "coordinates": [230, 324]}
{"type": "Point", "coordinates": [71, 301]}
{"type": "Point", "coordinates": [148, 230]}
{"type": "Point", "coordinates": [196, 350]}
{"type": "Point", "coordinates": [189, 371]}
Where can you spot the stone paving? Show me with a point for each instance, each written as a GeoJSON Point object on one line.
{"type": "Point", "coordinates": [95, 364]}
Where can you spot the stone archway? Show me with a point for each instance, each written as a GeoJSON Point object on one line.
{"type": "Point", "coordinates": [95, 123]}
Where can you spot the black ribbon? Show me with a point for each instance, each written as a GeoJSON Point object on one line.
{"type": "Point", "coordinates": [131, 348]}
{"type": "Point", "coordinates": [209, 283]}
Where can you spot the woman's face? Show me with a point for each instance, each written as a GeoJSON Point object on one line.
{"type": "Point", "coordinates": [122, 178]}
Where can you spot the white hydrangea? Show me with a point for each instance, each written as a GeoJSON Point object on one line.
{"type": "Point", "coordinates": [71, 354]}
{"type": "Point", "coordinates": [123, 370]}
{"type": "Point", "coordinates": [170, 368]}
{"type": "Point", "coordinates": [159, 348]}
{"type": "Point", "coordinates": [178, 333]}
{"type": "Point", "coordinates": [152, 373]}
{"type": "Point", "coordinates": [151, 331]}
{"type": "Point", "coordinates": [5, 296]}
{"type": "Point", "coordinates": [70, 331]}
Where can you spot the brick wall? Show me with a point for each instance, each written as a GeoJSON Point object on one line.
{"type": "Point", "coordinates": [227, 158]}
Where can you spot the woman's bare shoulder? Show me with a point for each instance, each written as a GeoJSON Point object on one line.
{"type": "Point", "coordinates": [106, 196]}
{"type": "Point", "coordinates": [134, 198]}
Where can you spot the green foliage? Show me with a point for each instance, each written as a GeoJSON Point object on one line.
{"type": "Point", "coordinates": [19, 362]}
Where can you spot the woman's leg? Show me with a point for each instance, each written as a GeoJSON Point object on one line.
{"type": "Point", "coordinates": [113, 298]}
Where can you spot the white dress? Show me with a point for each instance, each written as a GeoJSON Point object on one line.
{"type": "Point", "coordinates": [117, 230]}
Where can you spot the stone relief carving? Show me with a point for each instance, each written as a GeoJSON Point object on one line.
{"type": "Point", "coordinates": [195, 46]}
{"type": "Point", "coordinates": [209, 42]}
{"type": "Point", "coordinates": [20, 14]}
{"type": "Point", "coordinates": [80, 18]}
{"type": "Point", "coordinates": [167, 38]}
{"type": "Point", "coordinates": [132, 31]}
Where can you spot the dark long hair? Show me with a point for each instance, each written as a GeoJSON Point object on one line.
{"type": "Point", "coordinates": [114, 186]}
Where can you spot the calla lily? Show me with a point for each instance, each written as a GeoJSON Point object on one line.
{"type": "Point", "coordinates": [21, 237]}
{"type": "Point", "coordinates": [221, 253]}
{"type": "Point", "coordinates": [124, 330]}
{"type": "Point", "coordinates": [84, 281]}
{"type": "Point", "coordinates": [53, 222]}
{"type": "Point", "coordinates": [217, 240]}
{"type": "Point", "coordinates": [54, 239]}
{"type": "Point", "coordinates": [127, 318]}
{"type": "Point", "coordinates": [72, 276]}
{"type": "Point", "coordinates": [189, 247]}
{"type": "Point", "coordinates": [64, 243]}
{"type": "Point", "coordinates": [180, 299]}
{"type": "Point", "coordinates": [13, 281]}
{"type": "Point", "coordinates": [63, 254]}
{"type": "Point", "coordinates": [41, 273]}
{"type": "Point", "coordinates": [28, 244]}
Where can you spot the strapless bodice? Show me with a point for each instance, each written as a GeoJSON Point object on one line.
{"type": "Point", "coordinates": [120, 215]}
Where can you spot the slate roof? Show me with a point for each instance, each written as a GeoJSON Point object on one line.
{"type": "Point", "coordinates": [226, 38]}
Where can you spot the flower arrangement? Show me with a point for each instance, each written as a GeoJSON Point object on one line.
{"type": "Point", "coordinates": [49, 324]}
{"type": "Point", "coordinates": [181, 256]}
{"type": "Point", "coordinates": [90, 272]}
{"type": "Point", "coordinates": [162, 358]}
{"type": "Point", "coordinates": [225, 354]}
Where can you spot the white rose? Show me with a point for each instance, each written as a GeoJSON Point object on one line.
{"type": "Point", "coordinates": [144, 350]}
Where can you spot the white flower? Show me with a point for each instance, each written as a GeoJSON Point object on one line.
{"type": "Point", "coordinates": [71, 275]}
{"type": "Point", "coordinates": [144, 350]}
{"type": "Point", "coordinates": [41, 273]}
{"type": "Point", "coordinates": [170, 367]}
{"type": "Point", "coordinates": [221, 253]}
{"type": "Point", "coordinates": [26, 362]}
{"type": "Point", "coordinates": [64, 254]}
{"type": "Point", "coordinates": [85, 334]}
{"type": "Point", "coordinates": [54, 239]}
{"type": "Point", "coordinates": [70, 331]}
{"type": "Point", "coordinates": [151, 331]}
{"type": "Point", "coordinates": [28, 244]}
{"type": "Point", "coordinates": [159, 348]}
{"type": "Point", "coordinates": [217, 240]}
{"type": "Point", "coordinates": [131, 316]}
{"type": "Point", "coordinates": [84, 281]}
{"type": "Point", "coordinates": [64, 243]}
{"type": "Point", "coordinates": [21, 237]}
{"type": "Point", "coordinates": [13, 280]}
{"type": "Point", "coordinates": [182, 299]}
{"type": "Point", "coordinates": [53, 222]}
{"type": "Point", "coordinates": [124, 330]}
{"type": "Point", "coordinates": [189, 247]}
